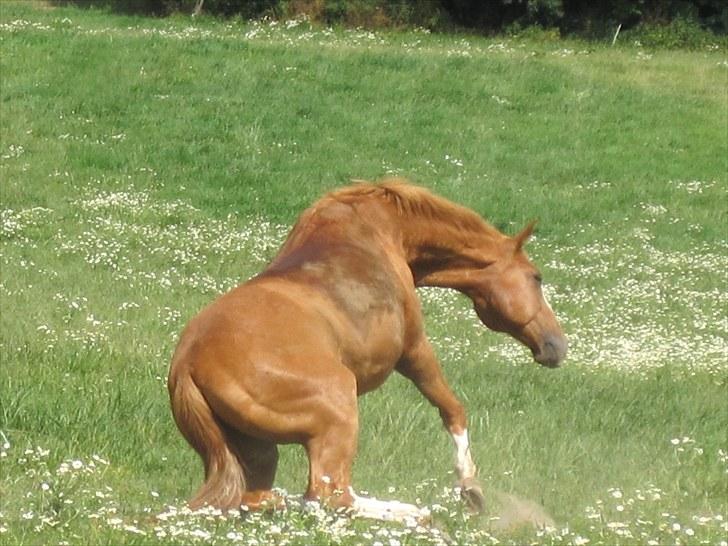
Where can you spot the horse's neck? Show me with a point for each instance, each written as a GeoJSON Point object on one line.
{"type": "Point", "coordinates": [440, 254]}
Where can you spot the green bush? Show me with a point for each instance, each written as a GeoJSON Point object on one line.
{"type": "Point", "coordinates": [680, 33]}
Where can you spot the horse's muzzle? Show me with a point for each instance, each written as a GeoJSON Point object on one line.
{"type": "Point", "coordinates": [552, 351]}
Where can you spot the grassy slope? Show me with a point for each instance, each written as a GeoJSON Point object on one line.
{"type": "Point", "coordinates": [159, 152]}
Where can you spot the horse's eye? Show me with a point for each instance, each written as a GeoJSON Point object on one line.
{"type": "Point", "coordinates": [538, 278]}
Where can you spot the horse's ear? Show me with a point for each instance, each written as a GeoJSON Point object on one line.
{"type": "Point", "coordinates": [525, 233]}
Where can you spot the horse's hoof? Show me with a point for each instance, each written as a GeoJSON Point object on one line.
{"type": "Point", "coordinates": [472, 494]}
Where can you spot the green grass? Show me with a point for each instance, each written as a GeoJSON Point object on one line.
{"type": "Point", "coordinates": [148, 165]}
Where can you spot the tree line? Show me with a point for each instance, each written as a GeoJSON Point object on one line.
{"type": "Point", "coordinates": [589, 18]}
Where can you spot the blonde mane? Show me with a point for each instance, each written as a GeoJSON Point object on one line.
{"type": "Point", "coordinates": [415, 201]}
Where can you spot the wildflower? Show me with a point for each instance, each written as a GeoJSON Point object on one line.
{"type": "Point", "coordinates": [133, 529]}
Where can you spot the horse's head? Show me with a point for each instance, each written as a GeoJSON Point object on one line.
{"type": "Point", "coordinates": [508, 298]}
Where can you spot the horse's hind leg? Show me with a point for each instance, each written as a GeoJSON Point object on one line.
{"type": "Point", "coordinates": [332, 446]}
{"type": "Point", "coordinates": [331, 453]}
{"type": "Point", "coordinates": [331, 456]}
{"type": "Point", "coordinates": [259, 459]}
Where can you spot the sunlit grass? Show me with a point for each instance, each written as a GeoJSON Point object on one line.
{"type": "Point", "coordinates": [149, 165]}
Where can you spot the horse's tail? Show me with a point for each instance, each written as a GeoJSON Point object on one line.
{"type": "Point", "coordinates": [224, 476]}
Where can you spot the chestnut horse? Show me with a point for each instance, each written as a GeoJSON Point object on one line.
{"type": "Point", "coordinates": [283, 357]}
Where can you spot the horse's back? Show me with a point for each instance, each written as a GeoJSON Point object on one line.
{"type": "Point", "coordinates": [256, 322]}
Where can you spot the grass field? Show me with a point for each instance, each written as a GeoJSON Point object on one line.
{"type": "Point", "coordinates": [148, 165]}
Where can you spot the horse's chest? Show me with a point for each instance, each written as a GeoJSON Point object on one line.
{"type": "Point", "coordinates": [365, 301]}
{"type": "Point", "coordinates": [372, 350]}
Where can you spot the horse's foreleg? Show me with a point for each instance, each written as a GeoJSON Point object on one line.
{"type": "Point", "coordinates": [463, 459]}
{"type": "Point", "coordinates": [471, 490]}
{"type": "Point", "coordinates": [420, 365]}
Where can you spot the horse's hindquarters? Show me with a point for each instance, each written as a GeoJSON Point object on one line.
{"type": "Point", "coordinates": [262, 361]}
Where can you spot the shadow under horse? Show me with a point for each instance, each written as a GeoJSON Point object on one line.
{"type": "Point", "coordinates": [283, 357]}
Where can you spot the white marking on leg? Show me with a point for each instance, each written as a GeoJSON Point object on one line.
{"type": "Point", "coordinates": [367, 507]}
{"type": "Point", "coordinates": [463, 460]}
